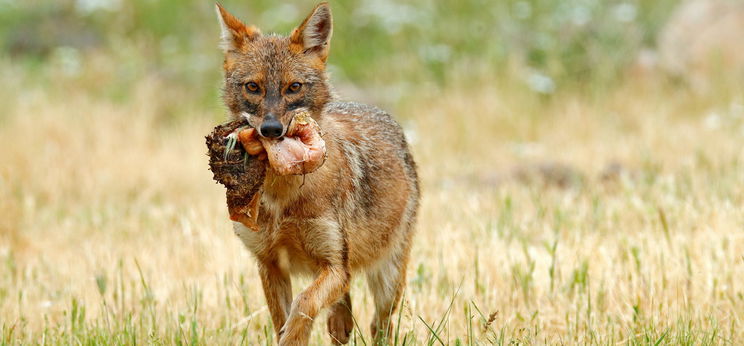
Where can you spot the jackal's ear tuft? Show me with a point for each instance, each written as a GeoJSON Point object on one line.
{"type": "Point", "coordinates": [314, 34]}
{"type": "Point", "coordinates": [235, 34]}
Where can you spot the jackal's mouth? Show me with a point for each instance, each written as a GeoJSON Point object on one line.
{"type": "Point", "coordinates": [301, 150]}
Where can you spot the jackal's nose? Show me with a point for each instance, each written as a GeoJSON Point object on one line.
{"type": "Point", "coordinates": [271, 127]}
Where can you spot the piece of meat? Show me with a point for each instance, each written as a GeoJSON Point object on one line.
{"type": "Point", "coordinates": [300, 151]}
{"type": "Point", "coordinates": [241, 173]}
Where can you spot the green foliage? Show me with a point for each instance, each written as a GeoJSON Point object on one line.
{"type": "Point", "coordinates": [547, 44]}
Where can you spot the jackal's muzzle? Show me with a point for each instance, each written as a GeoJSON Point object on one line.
{"type": "Point", "coordinates": [301, 150]}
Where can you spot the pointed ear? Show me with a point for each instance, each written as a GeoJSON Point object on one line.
{"type": "Point", "coordinates": [235, 34]}
{"type": "Point", "coordinates": [314, 34]}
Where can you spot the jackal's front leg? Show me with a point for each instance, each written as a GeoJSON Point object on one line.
{"type": "Point", "coordinates": [277, 288]}
{"type": "Point", "coordinates": [329, 286]}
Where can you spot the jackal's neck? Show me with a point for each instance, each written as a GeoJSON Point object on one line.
{"type": "Point", "coordinates": [282, 186]}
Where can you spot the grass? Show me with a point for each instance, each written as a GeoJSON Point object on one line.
{"type": "Point", "coordinates": [566, 199]}
{"type": "Point", "coordinates": [113, 232]}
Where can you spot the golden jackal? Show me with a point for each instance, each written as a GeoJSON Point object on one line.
{"type": "Point", "coordinates": [354, 213]}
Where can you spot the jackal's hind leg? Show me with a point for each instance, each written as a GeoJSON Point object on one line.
{"type": "Point", "coordinates": [340, 321]}
{"type": "Point", "coordinates": [386, 282]}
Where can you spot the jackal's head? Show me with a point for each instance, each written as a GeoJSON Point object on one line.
{"type": "Point", "coordinates": [269, 76]}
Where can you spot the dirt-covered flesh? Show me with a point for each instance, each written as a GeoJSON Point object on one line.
{"type": "Point", "coordinates": [237, 159]}
{"type": "Point", "coordinates": [240, 173]}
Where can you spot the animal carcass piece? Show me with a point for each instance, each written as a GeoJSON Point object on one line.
{"type": "Point", "coordinates": [240, 173]}
{"type": "Point", "coordinates": [236, 154]}
{"type": "Point", "coordinates": [302, 150]}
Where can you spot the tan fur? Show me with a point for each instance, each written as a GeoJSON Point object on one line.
{"type": "Point", "coordinates": [354, 214]}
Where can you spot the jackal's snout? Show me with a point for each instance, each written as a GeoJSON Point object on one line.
{"type": "Point", "coordinates": [271, 127]}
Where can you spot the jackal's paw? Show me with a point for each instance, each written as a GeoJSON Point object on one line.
{"type": "Point", "coordinates": [340, 324]}
{"type": "Point", "coordinates": [296, 330]}
{"type": "Point", "coordinates": [381, 332]}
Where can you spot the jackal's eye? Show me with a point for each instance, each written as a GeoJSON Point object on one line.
{"type": "Point", "coordinates": [294, 87]}
{"type": "Point", "coordinates": [251, 87]}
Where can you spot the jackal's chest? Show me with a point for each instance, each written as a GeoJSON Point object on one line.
{"type": "Point", "coordinates": [296, 230]}
{"type": "Point", "coordinates": [283, 246]}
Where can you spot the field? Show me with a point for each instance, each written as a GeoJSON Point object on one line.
{"type": "Point", "coordinates": [599, 209]}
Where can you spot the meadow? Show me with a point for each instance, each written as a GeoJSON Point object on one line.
{"type": "Point", "coordinates": [569, 196]}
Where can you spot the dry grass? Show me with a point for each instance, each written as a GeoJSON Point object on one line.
{"type": "Point", "coordinates": [604, 220]}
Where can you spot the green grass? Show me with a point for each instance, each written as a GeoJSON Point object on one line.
{"type": "Point", "coordinates": [401, 43]}
{"type": "Point", "coordinates": [126, 240]}
{"type": "Point", "coordinates": [566, 199]}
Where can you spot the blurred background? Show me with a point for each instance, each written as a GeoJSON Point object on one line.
{"type": "Point", "coordinates": [581, 163]}
{"type": "Point", "coordinates": [382, 49]}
